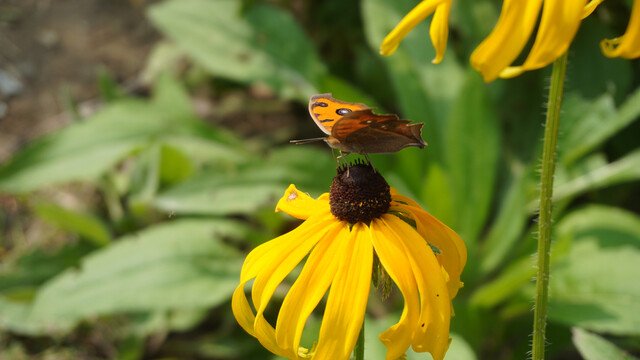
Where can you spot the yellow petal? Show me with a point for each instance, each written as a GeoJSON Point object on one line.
{"type": "Point", "coordinates": [413, 18]}
{"type": "Point", "coordinates": [588, 9]}
{"type": "Point", "coordinates": [559, 24]}
{"type": "Point", "coordinates": [269, 264]}
{"type": "Point", "coordinates": [298, 204]}
{"type": "Point", "coordinates": [453, 252]}
{"type": "Point", "coordinates": [508, 37]}
{"type": "Point", "coordinates": [628, 45]}
{"type": "Point", "coordinates": [245, 317]}
{"type": "Point", "coordinates": [347, 300]}
{"type": "Point", "coordinates": [439, 30]}
{"type": "Point", "coordinates": [432, 333]}
{"type": "Point", "coordinates": [393, 257]}
{"type": "Point", "coordinates": [309, 288]}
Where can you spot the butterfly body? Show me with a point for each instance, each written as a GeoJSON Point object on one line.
{"type": "Point", "coordinates": [354, 128]}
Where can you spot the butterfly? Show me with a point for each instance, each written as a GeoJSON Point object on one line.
{"type": "Point", "coordinates": [354, 128]}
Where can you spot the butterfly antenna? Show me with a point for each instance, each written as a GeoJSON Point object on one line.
{"type": "Point", "coordinates": [306, 141]}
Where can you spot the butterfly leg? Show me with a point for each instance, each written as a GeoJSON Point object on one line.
{"type": "Point", "coordinates": [366, 156]}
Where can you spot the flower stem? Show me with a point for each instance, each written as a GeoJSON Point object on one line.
{"type": "Point", "coordinates": [546, 192]}
{"type": "Point", "coordinates": [359, 349]}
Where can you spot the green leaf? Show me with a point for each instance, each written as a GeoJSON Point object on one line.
{"type": "Point", "coordinates": [509, 224]}
{"type": "Point", "coordinates": [182, 264]}
{"type": "Point", "coordinates": [266, 45]}
{"type": "Point", "coordinates": [588, 124]}
{"type": "Point", "coordinates": [32, 269]}
{"type": "Point", "coordinates": [221, 191]}
{"type": "Point", "coordinates": [216, 192]}
{"type": "Point", "coordinates": [622, 170]}
{"type": "Point", "coordinates": [594, 347]}
{"type": "Point", "coordinates": [596, 285]}
{"type": "Point", "coordinates": [472, 140]}
{"type": "Point", "coordinates": [82, 223]}
{"type": "Point", "coordinates": [84, 151]}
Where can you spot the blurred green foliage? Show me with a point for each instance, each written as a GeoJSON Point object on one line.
{"type": "Point", "coordinates": [148, 264]}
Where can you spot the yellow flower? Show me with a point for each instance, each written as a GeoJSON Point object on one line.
{"type": "Point", "coordinates": [558, 25]}
{"type": "Point", "coordinates": [439, 30]}
{"type": "Point", "coordinates": [627, 45]}
{"type": "Point", "coordinates": [340, 259]}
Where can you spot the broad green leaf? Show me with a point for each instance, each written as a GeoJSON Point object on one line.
{"type": "Point", "coordinates": [472, 140]}
{"type": "Point", "coordinates": [84, 151]}
{"type": "Point", "coordinates": [583, 125]}
{"type": "Point", "coordinates": [182, 264]}
{"type": "Point", "coordinates": [596, 285]}
{"type": "Point", "coordinates": [588, 124]}
{"type": "Point", "coordinates": [622, 170]}
{"type": "Point", "coordinates": [509, 224]}
{"type": "Point", "coordinates": [15, 317]}
{"type": "Point", "coordinates": [516, 277]}
{"type": "Point", "coordinates": [438, 195]}
{"type": "Point", "coordinates": [30, 270]}
{"type": "Point", "coordinates": [82, 223]}
{"type": "Point", "coordinates": [265, 45]}
{"type": "Point", "coordinates": [216, 192]}
{"type": "Point", "coordinates": [594, 347]}
{"type": "Point", "coordinates": [242, 190]}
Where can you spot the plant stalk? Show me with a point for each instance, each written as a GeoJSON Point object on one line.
{"type": "Point", "coordinates": [546, 193]}
{"type": "Point", "coordinates": [358, 351]}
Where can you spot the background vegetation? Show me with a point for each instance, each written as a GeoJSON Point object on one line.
{"type": "Point", "coordinates": [142, 264]}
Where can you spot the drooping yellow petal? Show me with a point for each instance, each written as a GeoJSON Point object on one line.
{"type": "Point", "coordinates": [439, 30]}
{"type": "Point", "coordinates": [590, 7]}
{"type": "Point", "coordinates": [393, 257]}
{"type": "Point", "coordinates": [279, 264]}
{"type": "Point", "coordinates": [413, 18]}
{"type": "Point", "coordinates": [627, 45]}
{"type": "Point", "coordinates": [311, 285]}
{"type": "Point", "coordinates": [269, 263]}
{"type": "Point", "coordinates": [298, 204]}
{"type": "Point", "coordinates": [347, 300]}
{"type": "Point", "coordinates": [432, 333]}
{"type": "Point", "coordinates": [442, 230]}
{"type": "Point", "coordinates": [453, 252]}
{"type": "Point", "coordinates": [558, 26]}
{"type": "Point", "coordinates": [507, 39]}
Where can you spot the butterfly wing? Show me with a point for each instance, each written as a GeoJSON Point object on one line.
{"type": "Point", "coordinates": [363, 131]}
{"type": "Point", "coordinates": [326, 111]}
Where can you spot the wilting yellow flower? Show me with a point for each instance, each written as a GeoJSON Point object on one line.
{"type": "Point", "coordinates": [627, 45]}
{"type": "Point", "coordinates": [439, 30]}
{"type": "Point", "coordinates": [493, 58]}
{"type": "Point", "coordinates": [558, 25]}
{"type": "Point", "coordinates": [340, 258]}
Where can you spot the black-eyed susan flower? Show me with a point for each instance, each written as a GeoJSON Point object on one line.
{"type": "Point", "coordinates": [361, 218]}
{"type": "Point", "coordinates": [627, 45]}
{"type": "Point", "coordinates": [439, 30]}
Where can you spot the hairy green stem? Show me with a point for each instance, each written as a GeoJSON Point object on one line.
{"type": "Point", "coordinates": [358, 352]}
{"type": "Point", "coordinates": [544, 219]}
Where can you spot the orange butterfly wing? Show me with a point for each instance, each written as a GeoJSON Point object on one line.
{"type": "Point", "coordinates": [326, 111]}
{"type": "Point", "coordinates": [362, 131]}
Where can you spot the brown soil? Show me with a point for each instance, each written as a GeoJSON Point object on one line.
{"type": "Point", "coordinates": [54, 50]}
